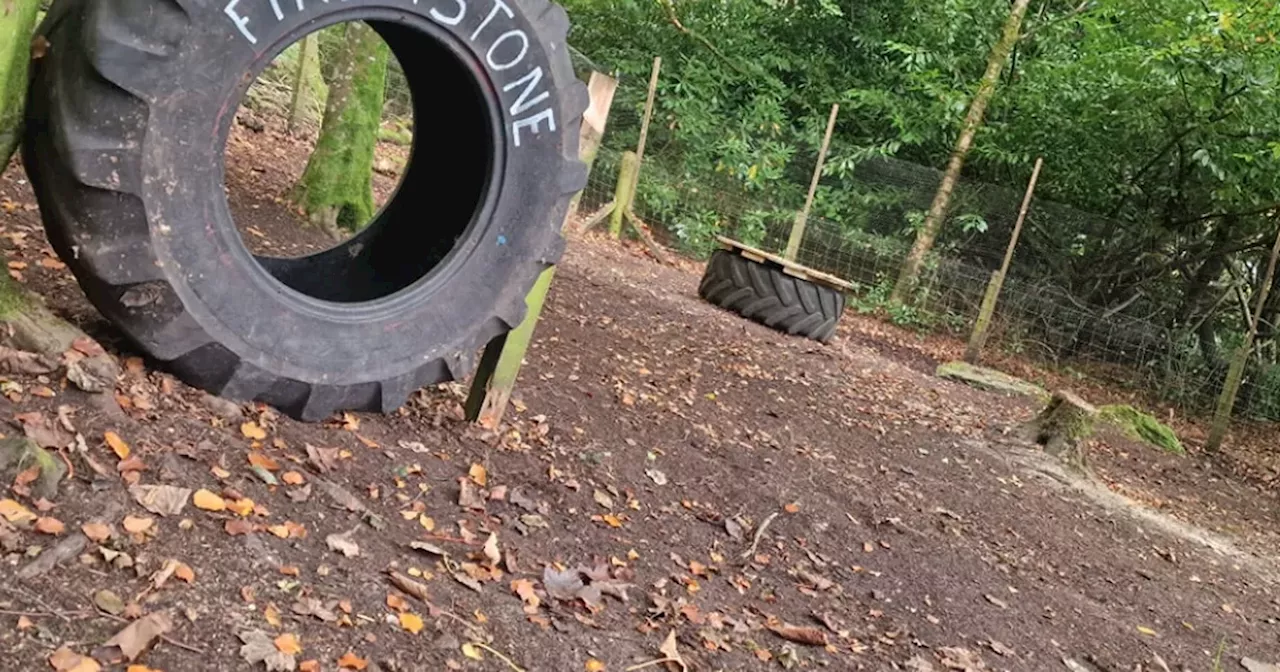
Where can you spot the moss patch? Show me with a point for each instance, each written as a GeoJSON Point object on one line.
{"type": "Point", "coordinates": [1142, 427]}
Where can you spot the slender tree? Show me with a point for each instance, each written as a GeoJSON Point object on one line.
{"type": "Point", "coordinates": [305, 78]}
{"type": "Point", "coordinates": [17, 21]}
{"type": "Point", "coordinates": [335, 190]}
{"type": "Point", "coordinates": [928, 233]}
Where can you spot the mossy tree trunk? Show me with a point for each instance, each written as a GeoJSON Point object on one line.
{"type": "Point", "coordinates": [335, 190]}
{"type": "Point", "coordinates": [17, 22]}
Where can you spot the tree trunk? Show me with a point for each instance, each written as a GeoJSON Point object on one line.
{"type": "Point", "coordinates": [1227, 399]}
{"type": "Point", "coordinates": [305, 79]}
{"type": "Point", "coordinates": [335, 189]}
{"type": "Point", "coordinates": [933, 222]}
{"type": "Point", "coordinates": [17, 22]}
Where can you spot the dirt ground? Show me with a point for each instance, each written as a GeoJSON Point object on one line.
{"type": "Point", "coordinates": [667, 470]}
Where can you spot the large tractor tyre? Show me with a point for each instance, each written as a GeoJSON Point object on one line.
{"type": "Point", "coordinates": [130, 105]}
{"type": "Point", "coordinates": [765, 294]}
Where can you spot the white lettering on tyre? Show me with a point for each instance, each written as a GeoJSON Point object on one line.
{"type": "Point", "coordinates": [504, 53]}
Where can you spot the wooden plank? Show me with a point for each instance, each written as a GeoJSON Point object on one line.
{"type": "Point", "coordinates": [789, 267]}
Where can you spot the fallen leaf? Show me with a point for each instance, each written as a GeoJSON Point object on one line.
{"type": "Point", "coordinates": [343, 544]}
{"type": "Point", "coordinates": [1258, 666]}
{"type": "Point", "coordinates": [37, 428]}
{"type": "Point", "coordinates": [66, 660]}
{"type": "Point", "coordinates": [396, 602]}
{"type": "Point", "coordinates": [118, 446]}
{"type": "Point", "coordinates": [108, 602]}
{"type": "Point", "coordinates": [799, 634]}
{"type": "Point", "coordinates": [184, 572]}
{"type": "Point", "coordinates": [164, 500]}
{"type": "Point", "coordinates": [603, 499]}
{"type": "Point", "coordinates": [288, 644]}
{"type": "Point", "coordinates": [656, 476]}
{"type": "Point", "coordinates": [251, 430]}
{"type": "Point", "coordinates": [411, 622]}
{"type": "Point", "coordinates": [479, 474]}
{"type": "Point", "coordinates": [16, 513]}
{"type": "Point", "coordinates": [350, 661]}
{"type": "Point", "coordinates": [793, 507]}
{"type": "Point", "coordinates": [27, 477]}
{"type": "Point", "coordinates": [671, 651]}
{"type": "Point", "coordinates": [272, 615]}
{"type": "Point", "coordinates": [524, 589]}
{"type": "Point", "coordinates": [468, 496]}
{"type": "Point", "coordinates": [292, 478]}
{"type": "Point", "coordinates": [594, 665]}
{"type": "Point", "coordinates": [562, 585]}
{"type": "Point", "coordinates": [612, 520]}
{"type": "Point", "coordinates": [259, 460]}
{"type": "Point", "coordinates": [51, 526]}
{"type": "Point", "coordinates": [1146, 631]}
{"type": "Point", "coordinates": [408, 585]}
{"type": "Point", "coordinates": [323, 459]}
{"type": "Point", "coordinates": [259, 647]}
{"type": "Point", "coordinates": [427, 522]}
{"type": "Point", "coordinates": [472, 651]}
{"type": "Point", "coordinates": [24, 623]}
{"type": "Point", "coordinates": [208, 501]}
{"type": "Point", "coordinates": [309, 666]}
{"type": "Point", "coordinates": [958, 658]}
{"type": "Point", "coordinates": [491, 552]}
{"type": "Point", "coordinates": [138, 635]}
{"type": "Point", "coordinates": [237, 526]}
{"type": "Point", "coordinates": [242, 507]}
{"type": "Point", "coordinates": [997, 601]}
{"type": "Point", "coordinates": [137, 524]}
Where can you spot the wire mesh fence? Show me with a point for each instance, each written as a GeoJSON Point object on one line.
{"type": "Point", "coordinates": [1035, 318]}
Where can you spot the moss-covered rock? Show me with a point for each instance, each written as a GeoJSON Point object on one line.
{"type": "Point", "coordinates": [1141, 426]}
{"type": "Point", "coordinates": [991, 380]}
{"type": "Point", "coordinates": [19, 454]}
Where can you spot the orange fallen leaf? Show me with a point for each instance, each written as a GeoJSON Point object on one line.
{"type": "Point", "coordinates": [24, 623]}
{"type": "Point", "coordinates": [396, 602]}
{"type": "Point", "coordinates": [612, 520]}
{"type": "Point", "coordinates": [281, 530]}
{"type": "Point", "coordinates": [241, 507]}
{"type": "Point", "coordinates": [351, 661]}
{"type": "Point", "coordinates": [479, 474]}
{"type": "Point", "coordinates": [369, 443]}
{"type": "Point", "coordinates": [117, 444]}
{"type": "Point", "coordinates": [288, 644]}
{"type": "Point", "coordinates": [184, 572]}
{"type": "Point", "coordinates": [219, 472]}
{"type": "Point", "coordinates": [259, 460]}
{"type": "Point", "coordinates": [203, 499]}
{"type": "Point", "coordinates": [140, 668]}
{"type": "Point", "coordinates": [793, 507]}
{"type": "Point", "coordinates": [594, 665]}
{"type": "Point", "coordinates": [290, 570]}
{"type": "Point", "coordinates": [309, 666]}
{"type": "Point", "coordinates": [411, 622]}
{"type": "Point", "coordinates": [43, 391]}
{"type": "Point", "coordinates": [46, 525]}
{"type": "Point", "coordinates": [292, 478]}
{"type": "Point", "coordinates": [427, 522]}
{"type": "Point", "coordinates": [251, 430]}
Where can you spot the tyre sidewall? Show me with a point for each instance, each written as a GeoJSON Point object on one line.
{"type": "Point", "coordinates": [192, 101]}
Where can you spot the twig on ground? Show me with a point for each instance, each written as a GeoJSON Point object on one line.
{"type": "Point", "coordinates": [41, 614]}
{"type": "Point", "coordinates": [755, 542]}
{"type": "Point", "coordinates": [490, 649]}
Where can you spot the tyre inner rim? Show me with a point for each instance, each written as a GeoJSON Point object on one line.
{"type": "Point", "coordinates": [443, 193]}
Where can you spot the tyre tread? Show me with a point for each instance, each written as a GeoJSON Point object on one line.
{"type": "Point", "coordinates": [765, 294]}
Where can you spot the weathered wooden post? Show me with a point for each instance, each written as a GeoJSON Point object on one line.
{"type": "Point", "coordinates": [1239, 360]}
{"type": "Point", "coordinates": [499, 366]}
{"type": "Point", "coordinates": [973, 352]}
{"type": "Point", "coordinates": [802, 219]}
{"type": "Point", "coordinates": [624, 193]}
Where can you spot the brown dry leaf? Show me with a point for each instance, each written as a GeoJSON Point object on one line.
{"type": "Point", "coordinates": [793, 507]}
{"type": "Point", "coordinates": [118, 446]}
{"type": "Point", "coordinates": [411, 622]}
{"type": "Point", "coordinates": [281, 530]}
{"type": "Point", "coordinates": [96, 532]}
{"type": "Point", "coordinates": [259, 647]}
{"type": "Point", "coordinates": [25, 478]}
{"type": "Point", "coordinates": [396, 602]}
{"type": "Point", "coordinates": [208, 501]}
{"type": "Point", "coordinates": [272, 615]}
{"type": "Point", "coordinates": [611, 520]}
{"type": "Point", "coordinates": [672, 652]}
{"type": "Point", "coordinates": [238, 526]}
{"type": "Point", "coordinates": [66, 660]}
{"type": "Point", "coordinates": [369, 443]}
{"type": "Point", "coordinates": [38, 428]}
{"type": "Point", "coordinates": [309, 666]}
{"type": "Point", "coordinates": [468, 496]}
{"type": "Point", "coordinates": [138, 524]}
{"type": "Point", "coordinates": [53, 526]}
{"type": "Point", "coordinates": [292, 478]}
{"type": "Point", "coordinates": [800, 634]}
{"type": "Point", "coordinates": [524, 589]}
{"type": "Point", "coordinates": [408, 585]}
{"type": "Point", "coordinates": [251, 430]}
{"type": "Point", "coordinates": [138, 635]}
{"type": "Point", "coordinates": [343, 544]}
{"type": "Point", "coordinates": [164, 500]}
{"type": "Point", "coordinates": [288, 644]}
{"type": "Point", "coordinates": [479, 474]}
{"type": "Point", "coordinates": [323, 459]}
{"type": "Point", "coordinates": [350, 661]}
{"type": "Point", "coordinates": [259, 460]}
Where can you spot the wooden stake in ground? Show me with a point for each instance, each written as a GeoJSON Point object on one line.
{"type": "Point", "coordinates": [1062, 427]}
{"type": "Point", "coordinates": [308, 68]}
{"type": "Point", "coordinates": [910, 273]}
{"type": "Point", "coordinates": [797, 228]}
{"type": "Point", "coordinates": [1239, 360]}
{"type": "Point", "coordinates": [978, 338]}
{"type": "Point", "coordinates": [500, 364]}
{"type": "Point", "coordinates": [621, 207]}
{"type": "Point", "coordinates": [17, 20]}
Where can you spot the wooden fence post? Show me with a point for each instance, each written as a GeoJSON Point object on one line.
{"type": "Point", "coordinates": [802, 219]}
{"type": "Point", "coordinates": [499, 366]}
{"type": "Point", "coordinates": [624, 193]}
{"type": "Point", "coordinates": [1239, 360]}
{"type": "Point", "coordinates": [978, 339]}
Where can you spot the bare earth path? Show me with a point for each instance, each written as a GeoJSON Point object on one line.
{"type": "Point", "coordinates": [652, 436]}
